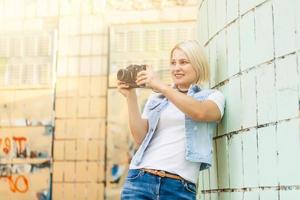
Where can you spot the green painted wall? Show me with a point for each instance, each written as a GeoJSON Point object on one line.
{"type": "Point", "coordinates": [254, 52]}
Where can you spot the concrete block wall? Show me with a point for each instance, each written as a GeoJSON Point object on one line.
{"type": "Point", "coordinates": [80, 106]}
{"type": "Point", "coordinates": [253, 49]}
{"type": "Point", "coordinates": [69, 163]}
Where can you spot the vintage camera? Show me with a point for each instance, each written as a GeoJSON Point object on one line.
{"type": "Point", "coordinates": [128, 75]}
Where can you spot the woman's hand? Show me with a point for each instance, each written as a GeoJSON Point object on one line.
{"type": "Point", "coordinates": [150, 79]}
{"type": "Point", "coordinates": [124, 89]}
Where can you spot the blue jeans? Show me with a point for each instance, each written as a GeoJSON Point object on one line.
{"type": "Point", "coordinates": [140, 185]}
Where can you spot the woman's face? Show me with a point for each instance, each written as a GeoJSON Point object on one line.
{"type": "Point", "coordinates": [183, 73]}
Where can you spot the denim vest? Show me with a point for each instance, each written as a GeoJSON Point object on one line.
{"type": "Point", "coordinates": [199, 135]}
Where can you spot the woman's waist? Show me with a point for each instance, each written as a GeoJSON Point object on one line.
{"type": "Point", "coordinates": [188, 172]}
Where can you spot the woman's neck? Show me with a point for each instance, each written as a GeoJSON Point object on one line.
{"type": "Point", "coordinates": [183, 90]}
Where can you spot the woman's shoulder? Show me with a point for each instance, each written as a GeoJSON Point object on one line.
{"type": "Point", "coordinates": [213, 91]}
{"type": "Point", "coordinates": [209, 93]}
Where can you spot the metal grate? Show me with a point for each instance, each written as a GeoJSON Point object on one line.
{"type": "Point", "coordinates": [44, 74]}
{"type": "Point", "coordinates": [27, 74]}
{"type": "Point", "coordinates": [44, 46]}
{"type": "Point", "coordinates": [26, 59]}
{"type": "Point", "coordinates": [164, 70]}
{"type": "Point", "coordinates": [15, 47]}
{"type": "Point", "coordinates": [29, 46]}
{"type": "Point", "coordinates": [119, 44]}
{"type": "Point", "coordinates": [12, 75]}
{"type": "Point", "coordinates": [150, 38]}
{"type": "Point", "coordinates": [3, 47]}
{"type": "Point", "coordinates": [134, 41]}
{"type": "Point", "coordinates": [165, 36]}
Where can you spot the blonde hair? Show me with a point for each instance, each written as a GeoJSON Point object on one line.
{"type": "Point", "coordinates": [197, 57]}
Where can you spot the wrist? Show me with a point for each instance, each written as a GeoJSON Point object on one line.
{"type": "Point", "coordinates": [131, 94]}
{"type": "Point", "coordinates": [164, 89]}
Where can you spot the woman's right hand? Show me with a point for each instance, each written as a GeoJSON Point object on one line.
{"type": "Point", "coordinates": [124, 89]}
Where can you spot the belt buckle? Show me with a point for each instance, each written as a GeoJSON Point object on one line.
{"type": "Point", "coordinates": [161, 173]}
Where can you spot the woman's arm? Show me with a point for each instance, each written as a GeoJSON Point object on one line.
{"type": "Point", "coordinates": [205, 110]}
{"type": "Point", "coordinates": [138, 126]}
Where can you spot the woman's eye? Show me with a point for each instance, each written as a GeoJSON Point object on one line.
{"type": "Point", "coordinates": [184, 62]}
{"type": "Point", "coordinates": [181, 62]}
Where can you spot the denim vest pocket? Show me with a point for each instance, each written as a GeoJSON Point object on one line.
{"type": "Point", "coordinates": [153, 104]}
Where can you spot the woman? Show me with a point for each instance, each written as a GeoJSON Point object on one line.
{"type": "Point", "coordinates": [175, 130]}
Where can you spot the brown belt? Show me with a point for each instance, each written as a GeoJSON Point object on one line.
{"type": "Point", "coordinates": [162, 173]}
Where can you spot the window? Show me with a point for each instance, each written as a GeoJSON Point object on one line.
{"type": "Point", "coordinates": [26, 59]}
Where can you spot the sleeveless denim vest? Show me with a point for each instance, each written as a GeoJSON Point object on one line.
{"type": "Point", "coordinates": [199, 135]}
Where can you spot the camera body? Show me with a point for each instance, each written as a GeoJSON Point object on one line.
{"type": "Point", "coordinates": [129, 74]}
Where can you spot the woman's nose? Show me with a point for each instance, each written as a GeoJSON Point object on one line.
{"type": "Point", "coordinates": [176, 67]}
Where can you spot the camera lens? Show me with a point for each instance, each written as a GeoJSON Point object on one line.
{"type": "Point", "coordinates": [121, 75]}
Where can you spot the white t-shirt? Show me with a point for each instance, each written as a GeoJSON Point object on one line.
{"type": "Point", "coordinates": [166, 150]}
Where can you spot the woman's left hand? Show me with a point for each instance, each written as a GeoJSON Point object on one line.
{"type": "Point", "coordinates": [150, 79]}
